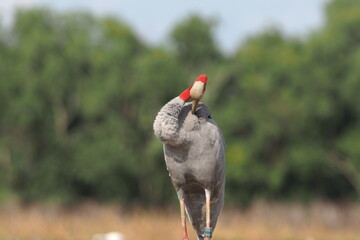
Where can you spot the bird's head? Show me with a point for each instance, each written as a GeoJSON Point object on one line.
{"type": "Point", "coordinates": [198, 89]}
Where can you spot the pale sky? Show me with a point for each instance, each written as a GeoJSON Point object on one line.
{"type": "Point", "coordinates": [152, 20]}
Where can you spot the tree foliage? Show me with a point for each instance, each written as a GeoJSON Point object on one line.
{"type": "Point", "coordinates": [194, 42]}
{"type": "Point", "coordinates": [78, 96]}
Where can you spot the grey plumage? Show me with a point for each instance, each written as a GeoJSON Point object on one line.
{"type": "Point", "coordinates": [194, 152]}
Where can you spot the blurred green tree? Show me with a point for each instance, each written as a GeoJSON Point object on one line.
{"type": "Point", "coordinates": [79, 94]}
{"type": "Point", "coordinates": [194, 43]}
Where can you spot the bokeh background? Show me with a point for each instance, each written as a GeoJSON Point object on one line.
{"type": "Point", "coordinates": [80, 86]}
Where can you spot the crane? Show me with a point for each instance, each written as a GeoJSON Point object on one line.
{"type": "Point", "coordinates": [194, 151]}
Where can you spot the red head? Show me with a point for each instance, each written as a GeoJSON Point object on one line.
{"type": "Point", "coordinates": [198, 91]}
{"type": "Point", "coordinates": [202, 78]}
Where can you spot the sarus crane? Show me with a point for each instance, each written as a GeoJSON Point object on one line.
{"type": "Point", "coordinates": [194, 150]}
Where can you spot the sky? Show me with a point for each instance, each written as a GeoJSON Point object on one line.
{"type": "Point", "coordinates": [153, 20]}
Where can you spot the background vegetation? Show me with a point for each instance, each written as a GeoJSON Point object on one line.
{"type": "Point", "coordinates": [78, 95]}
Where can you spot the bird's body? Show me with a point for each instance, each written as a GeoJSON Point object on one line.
{"type": "Point", "coordinates": [194, 152]}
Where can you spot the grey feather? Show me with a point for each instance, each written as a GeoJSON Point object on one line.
{"type": "Point", "coordinates": [194, 152]}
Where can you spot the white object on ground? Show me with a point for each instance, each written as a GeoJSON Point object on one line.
{"type": "Point", "coordinates": [108, 236]}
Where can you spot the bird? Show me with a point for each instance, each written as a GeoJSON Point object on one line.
{"type": "Point", "coordinates": [194, 152]}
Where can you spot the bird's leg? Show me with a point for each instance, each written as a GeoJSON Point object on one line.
{"type": "Point", "coordinates": [194, 106]}
{"type": "Point", "coordinates": [207, 229]}
{"type": "Point", "coordinates": [183, 220]}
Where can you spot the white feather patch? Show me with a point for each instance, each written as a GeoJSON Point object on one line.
{"type": "Point", "coordinates": [197, 90]}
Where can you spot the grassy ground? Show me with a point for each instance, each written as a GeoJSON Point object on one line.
{"type": "Point", "coordinates": [262, 221]}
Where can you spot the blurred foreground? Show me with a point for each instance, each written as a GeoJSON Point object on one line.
{"type": "Point", "coordinates": [262, 221]}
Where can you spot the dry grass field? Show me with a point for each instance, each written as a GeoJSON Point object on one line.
{"type": "Point", "coordinates": [262, 221]}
